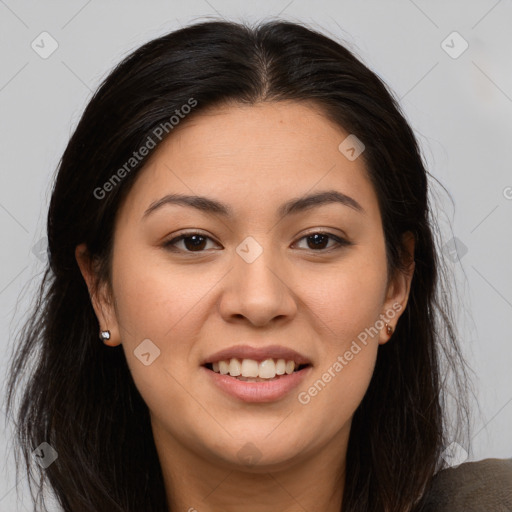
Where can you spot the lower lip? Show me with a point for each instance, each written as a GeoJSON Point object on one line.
{"type": "Point", "coordinates": [258, 391]}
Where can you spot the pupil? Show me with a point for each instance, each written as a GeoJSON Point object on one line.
{"type": "Point", "coordinates": [198, 240]}
{"type": "Point", "coordinates": [316, 237]}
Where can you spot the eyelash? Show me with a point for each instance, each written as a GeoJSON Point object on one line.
{"type": "Point", "coordinates": [340, 241]}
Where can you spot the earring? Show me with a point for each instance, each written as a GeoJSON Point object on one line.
{"type": "Point", "coordinates": [104, 335]}
{"type": "Point", "coordinates": [389, 329]}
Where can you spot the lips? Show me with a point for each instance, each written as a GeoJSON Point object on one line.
{"type": "Point", "coordinates": [257, 374]}
{"type": "Point", "coordinates": [257, 389]}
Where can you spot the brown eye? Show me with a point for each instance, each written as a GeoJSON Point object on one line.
{"type": "Point", "coordinates": [318, 241]}
{"type": "Point", "coordinates": [197, 242]}
{"type": "Point", "coordinates": [192, 242]}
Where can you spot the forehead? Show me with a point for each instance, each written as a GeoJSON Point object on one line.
{"type": "Point", "coordinates": [253, 158]}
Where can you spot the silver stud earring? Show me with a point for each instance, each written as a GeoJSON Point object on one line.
{"type": "Point", "coordinates": [104, 335]}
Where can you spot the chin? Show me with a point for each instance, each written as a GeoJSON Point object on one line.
{"type": "Point", "coordinates": [260, 452]}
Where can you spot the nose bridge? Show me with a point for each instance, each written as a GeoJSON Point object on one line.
{"type": "Point", "coordinates": [257, 262]}
{"type": "Point", "coordinates": [259, 290]}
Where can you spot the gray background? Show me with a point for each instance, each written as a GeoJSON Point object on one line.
{"type": "Point", "coordinates": [460, 109]}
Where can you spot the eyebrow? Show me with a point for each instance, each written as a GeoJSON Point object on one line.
{"type": "Point", "coordinates": [293, 206]}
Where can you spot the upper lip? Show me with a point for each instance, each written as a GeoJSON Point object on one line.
{"type": "Point", "coordinates": [257, 353]}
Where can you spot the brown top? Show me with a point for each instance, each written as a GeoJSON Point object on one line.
{"type": "Point", "coordinates": [481, 486]}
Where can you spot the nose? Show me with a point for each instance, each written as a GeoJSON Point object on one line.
{"type": "Point", "coordinates": [259, 291]}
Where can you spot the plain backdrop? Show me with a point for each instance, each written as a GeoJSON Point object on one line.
{"type": "Point", "coordinates": [447, 61]}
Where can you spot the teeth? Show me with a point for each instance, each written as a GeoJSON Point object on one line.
{"type": "Point", "coordinates": [224, 367]}
{"type": "Point", "coordinates": [250, 368]}
{"type": "Point", "coordinates": [235, 368]}
{"type": "Point", "coordinates": [267, 369]}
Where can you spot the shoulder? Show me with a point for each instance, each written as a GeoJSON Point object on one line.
{"type": "Point", "coordinates": [481, 486]}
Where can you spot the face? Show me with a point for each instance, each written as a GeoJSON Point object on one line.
{"type": "Point", "coordinates": [257, 282]}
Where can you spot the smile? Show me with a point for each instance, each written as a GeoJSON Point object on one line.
{"type": "Point", "coordinates": [250, 370]}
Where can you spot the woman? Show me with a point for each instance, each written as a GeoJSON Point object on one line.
{"type": "Point", "coordinates": [241, 217]}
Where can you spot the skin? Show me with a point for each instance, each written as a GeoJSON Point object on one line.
{"type": "Point", "coordinates": [192, 304]}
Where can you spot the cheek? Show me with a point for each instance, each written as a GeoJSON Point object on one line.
{"type": "Point", "coordinates": [158, 305]}
{"type": "Point", "coordinates": [348, 299]}
{"type": "Point", "coordinates": [164, 303]}
{"type": "Point", "coordinates": [346, 309]}
{"type": "Point", "coordinates": [155, 299]}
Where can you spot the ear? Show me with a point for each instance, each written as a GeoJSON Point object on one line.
{"type": "Point", "coordinates": [100, 298]}
{"type": "Point", "coordinates": [398, 288]}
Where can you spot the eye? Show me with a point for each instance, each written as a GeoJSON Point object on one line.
{"type": "Point", "coordinates": [317, 241]}
{"type": "Point", "coordinates": [193, 242]}
{"type": "Point", "coordinates": [196, 242]}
